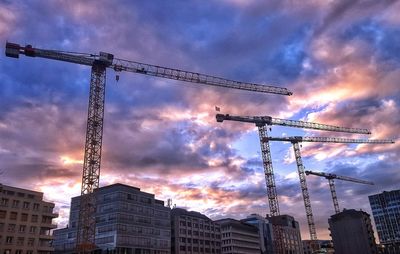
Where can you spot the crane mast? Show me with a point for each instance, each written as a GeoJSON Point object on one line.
{"type": "Point", "coordinates": [94, 131]}
{"type": "Point", "coordinates": [262, 122]}
{"type": "Point", "coordinates": [330, 178]}
{"type": "Point", "coordinates": [300, 167]}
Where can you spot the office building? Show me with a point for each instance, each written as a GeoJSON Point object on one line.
{"type": "Point", "coordinates": [25, 222]}
{"type": "Point", "coordinates": [238, 237]}
{"type": "Point", "coordinates": [193, 232]}
{"type": "Point", "coordinates": [265, 232]}
{"type": "Point", "coordinates": [128, 221]}
{"type": "Point", "coordinates": [352, 233]}
{"type": "Point", "coordinates": [289, 233]}
{"type": "Point", "coordinates": [386, 211]}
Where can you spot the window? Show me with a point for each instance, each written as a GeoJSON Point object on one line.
{"type": "Point", "coordinates": [34, 218]}
{"type": "Point", "coordinates": [9, 240]}
{"type": "Point", "coordinates": [13, 215]}
{"type": "Point", "coordinates": [18, 251]}
{"type": "Point", "coordinates": [15, 204]}
{"type": "Point", "coordinates": [35, 206]}
{"type": "Point", "coordinates": [11, 227]}
{"type": "Point", "coordinates": [26, 205]}
{"type": "Point", "coordinates": [31, 241]}
{"type": "Point", "coordinates": [20, 241]}
{"type": "Point", "coordinates": [22, 228]}
{"type": "Point", "coordinates": [24, 217]}
{"type": "Point", "coordinates": [32, 230]}
{"type": "Point", "coordinates": [4, 201]}
{"type": "Point", "coordinates": [3, 214]}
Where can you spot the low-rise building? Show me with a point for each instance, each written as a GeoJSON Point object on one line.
{"type": "Point", "coordinates": [238, 237]}
{"type": "Point", "coordinates": [127, 221]}
{"type": "Point", "coordinates": [352, 233]}
{"type": "Point", "coordinates": [193, 232]}
{"type": "Point", "coordinates": [25, 222]}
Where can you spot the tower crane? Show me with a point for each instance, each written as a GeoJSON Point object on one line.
{"type": "Point", "coordinates": [94, 130]}
{"type": "Point", "coordinates": [330, 178]}
{"type": "Point", "coordinates": [262, 122]}
{"type": "Point", "coordinates": [300, 167]}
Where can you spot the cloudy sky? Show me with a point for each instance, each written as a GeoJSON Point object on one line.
{"type": "Point", "coordinates": [340, 58]}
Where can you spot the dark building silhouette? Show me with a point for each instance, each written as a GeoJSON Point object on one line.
{"type": "Point", "coordinates": [352, 233]}
{"type": "Point", "coordinates": [193, 232]}
{"type": "Point", "coordinates": [386, 211]}
{"type": "Point", "coordinates": [290, 233]}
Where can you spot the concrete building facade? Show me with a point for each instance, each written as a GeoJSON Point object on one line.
{"type": "Point", "coordinates": [193, 232]}
{"type": "Point", "coordinates": [239, 237]}
{"type": "Point", "coordinates": [128, 221]}
{"type": "Point", "coordinates": [385, 208]}
{"type": "Point", "coordinates": [352, 233]}
{"type": "Point", "coordinates": [25, 222]}
{"type": "Point", "coordinates": [265, 232]}
{"type": "Point", "coordinates": [290, 233]}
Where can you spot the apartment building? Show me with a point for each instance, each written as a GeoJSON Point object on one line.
{"type": "Point", "coordinates": [385, 208]}
{"type": "Point", "coordinates": [193, 232]}
{"type": "Point", "coordinates": [239, 237]}
{"type": "Point", "coordinates": [352, 233]}
{"type": "Point", "coordinates": [128, 221]}
{"type": "Point", "coordinates": [25, 221]}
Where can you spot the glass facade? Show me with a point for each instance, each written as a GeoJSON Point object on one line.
{"type": "Point", "coordinates": [386, 212]}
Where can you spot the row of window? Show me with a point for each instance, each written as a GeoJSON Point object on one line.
{"type": "Point", "coordinates": [12, 228]}
{"type": "Point", "coordinates": [20, 241]}
{"type": "Point", "coordinates": [142, 241]}
{"type": "Point", "coordinates": [6, 202]}
{"type": "Point", "coordinates": [199, 233]}
{"type": "Point", "coordinates": [8, 251]}
{"type": "Point", "coordinates": [18, 194]}
{"type": "Point", "coordinates": [199, 241]}
{"type": "Point", "coordinates": [133, 229]}
{"type": "Point", "coordinates": [126, 196]}
{"type": "Point", "coordinates": [24, 217]}
{"type": "Point", "coordinates": [199, 249]}
{"type": "Point", "coordinates": [125, 206]}
{"type": "Point", "coordinates": [197, 225]}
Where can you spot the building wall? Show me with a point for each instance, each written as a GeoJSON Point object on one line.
{"type": "Point", "coordinates": [386, 211]}
{"type": "Point", "coordinates": [239, 237]}
{"type": "Point", "coordinates": [127, 220]}
{"type": "Point", "coordinates": [25, 222]}
{"type": "Point", "coordinates": [265, 232]}
{"type": "Point", "coordinates": [352, 233]}
{"type": "Point", "coordinates": [193, 232]}
{"type": "Point", "coordinates": [290, 233]}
